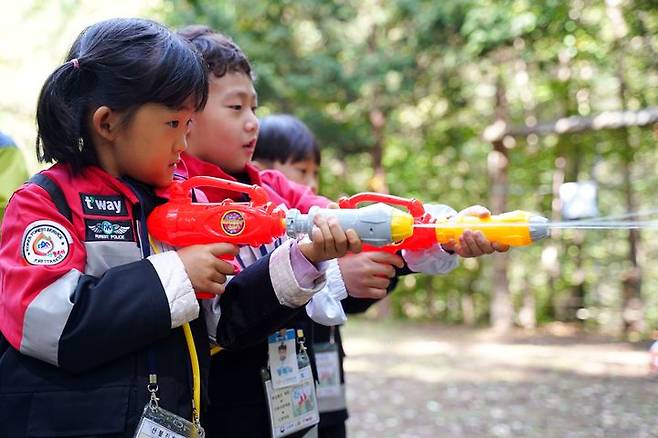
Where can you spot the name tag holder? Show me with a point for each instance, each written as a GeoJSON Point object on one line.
{"type": "Point", "coordinates": [292, 407]}
{"type": "Point", "coordinates": [330, 390]}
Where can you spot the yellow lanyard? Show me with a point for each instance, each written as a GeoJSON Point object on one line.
{"type": "Point", "coordinates": [196, 374]}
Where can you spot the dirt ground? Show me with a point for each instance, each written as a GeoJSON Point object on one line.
{"type": "Point", "coordinates": [409, 380]}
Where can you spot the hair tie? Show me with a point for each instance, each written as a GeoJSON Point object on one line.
{"type": "Point", "coordinates": [76, 63]}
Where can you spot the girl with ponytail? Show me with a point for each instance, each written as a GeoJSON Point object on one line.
{"type": "Point", "coordinates": [100, 333]}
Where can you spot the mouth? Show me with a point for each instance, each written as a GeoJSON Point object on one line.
{"type": "Point", "coordinates": [174, 164]}
{"type": "Point", "coordinates": [251, 145]}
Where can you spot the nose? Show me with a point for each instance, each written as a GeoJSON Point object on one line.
{"type": "Point", "coordinates": [252, 124]}
{"type": "Point", "coordinates": [181, 144]}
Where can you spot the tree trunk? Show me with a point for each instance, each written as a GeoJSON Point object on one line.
{"type": "Point", "coordinates": [501, 306]}
{"type": "Point", "coordinates": [377, 120]}
{"type": "Point", "coordinates": [633, 306]}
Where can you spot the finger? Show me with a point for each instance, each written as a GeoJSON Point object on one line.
{"type": "Point", "coordinates": [354, 243]}
{"type": "Point", "coordinates": [500, 247]}
{"type": "Point", "coordinates": [332, 205]}
{"type": "Point", "coordinates": [223, 267]}
{"type": "Point", "coordinates": [381, 269]}
{"type": "Point", "coordinates": [326, 243]}
{"type": "Point", "coordinates": [386, 258]}
{"type": "Point", "coordinates": [212, 287]}
{"type": "Point", "coordinates": [483, 243]}
{"type": "Point", "coordinates": [220, 249]}
{"type": "Point", "coordinates": [338, 236]}
{"type": "Point", "coordinates": [219, 278]}
{"type": "Point", "coordinates": [376, 293]}
{"type": "Point", "coordinates": [377, 282]}
{"type": "Point", "coordinates": [468, 244]}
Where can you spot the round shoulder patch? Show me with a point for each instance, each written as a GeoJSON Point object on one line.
{"type": "Point", "coordinates": [45, 243]}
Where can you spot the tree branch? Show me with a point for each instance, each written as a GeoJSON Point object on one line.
{"type": "Point", "coordinates": [567, 125]}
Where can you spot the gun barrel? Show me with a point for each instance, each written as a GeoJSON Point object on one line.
{"type": "Point", "coordinates": [515, 228]}
{"type": "Point", "coordinates": [377, 224]}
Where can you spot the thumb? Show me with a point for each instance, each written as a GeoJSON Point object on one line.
{"type": "Point", "coordinates": [220, 249]}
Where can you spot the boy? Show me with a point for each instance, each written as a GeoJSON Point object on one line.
{"type": "Point", "coordinates": [221, 142]}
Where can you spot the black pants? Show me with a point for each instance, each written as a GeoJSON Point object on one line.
{"type": "Point", "coordinates": [337, 430]}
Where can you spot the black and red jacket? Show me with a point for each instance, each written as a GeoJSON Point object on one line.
{"type": "Point", "coordinates": [85, 316]}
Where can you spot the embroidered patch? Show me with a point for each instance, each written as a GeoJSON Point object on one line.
{"type": "Point", "coordinates": [101, 205]}
{"type": "Point", "coordinates": [45, 243]}
{"type": "Point", "coordinates": [99, 229]}
{"type": "Point", "coordinates": [232, 222]}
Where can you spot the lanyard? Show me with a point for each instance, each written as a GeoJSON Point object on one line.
{"type": "Point", "coordinates": [194, 360]}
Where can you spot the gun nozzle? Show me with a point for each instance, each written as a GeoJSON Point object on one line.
{"type": "Point", "coordinates": [539, 227]}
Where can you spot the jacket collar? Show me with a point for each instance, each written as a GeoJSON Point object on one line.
{"type": "Point", "coordinates": [195, 167]}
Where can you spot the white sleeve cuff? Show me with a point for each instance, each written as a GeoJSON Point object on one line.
{"type": "Point", "coordinates": [285, 285]}
{"type": "Point", "coordinates": [433, 260]}
{"type": "Point", "coordinates": [325, 309]}
{"type": "Point", "coordinates": [183, 305]}
{"type": "Point", "coordinates": [335, 281]}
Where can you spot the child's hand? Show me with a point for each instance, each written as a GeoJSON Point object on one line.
{"type": "Point", "coordinates": [206, 271]}
{"type": "Point", "coordinates": [329, 241]}
{"type": "Point", "coordinates": [368, 275]}
{"type": "Point", "coordinates": [473, 243]}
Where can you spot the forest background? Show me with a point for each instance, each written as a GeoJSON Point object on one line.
{"type": "Point", "coordinates": [497, 103]}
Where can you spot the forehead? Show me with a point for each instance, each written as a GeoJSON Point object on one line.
{"type": "Point", "coordinates": [307, 162]}
{"type": "Point", "coordinates": [232, 85]}
{"type": "Point", "coordinates": [158, 109]}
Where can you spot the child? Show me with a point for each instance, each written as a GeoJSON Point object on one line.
{"type": "Point", "coordinates": [13, 172]}
{"type": "Point", "coordinates": [91, 340]}
{"type": "Point", "coordinates": [286, 144]}
{"type": "Point", "coordinates": [222, 140]}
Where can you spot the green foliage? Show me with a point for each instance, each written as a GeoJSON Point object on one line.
{"type": "Point", "coordinates": [431, 69]}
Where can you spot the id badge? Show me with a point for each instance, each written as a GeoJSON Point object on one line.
{"type": "Point", "coordinates": [159, 423]}
{"type": "Point", "coordinates": [331, 393]}
{"type": "Point", "coordinates": [283, 359]}
{"type": "Point", "coordinates": [292, 408]}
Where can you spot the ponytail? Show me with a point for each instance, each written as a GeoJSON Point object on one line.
{"type": "Point", "coordinates": [60, 119]}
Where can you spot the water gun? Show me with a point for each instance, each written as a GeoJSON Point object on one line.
{"type": "Point", "coordinates": [417, 229]}
{"type": "Point", "coordinates": [382, 225]}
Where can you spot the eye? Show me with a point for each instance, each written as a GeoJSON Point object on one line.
{"type": "Point", "coordinates": [235, 107]}
{"type": "Point", "coordinates": [254, 108]}
{"type": "Point", "coordinates": [173, 123]}
{"type": "Point", "coordinates": [188, 123]}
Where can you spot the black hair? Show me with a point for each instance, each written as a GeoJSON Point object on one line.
{"type": "Point", "coordinates": [120, 63]}
{"type": "Point", "coordinates": [219, 51]}
{"type": "Point", "coordinates": [284, 138]}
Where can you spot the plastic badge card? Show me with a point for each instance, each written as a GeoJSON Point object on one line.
{"type": "Point", "coordinates": [283, 359]}
{"type": "Point", "coordinates": [159, 423]}
{"type": "Point", "coordinates": [293, 408]}
{"type": "Point", "coordinates": [326, 360]}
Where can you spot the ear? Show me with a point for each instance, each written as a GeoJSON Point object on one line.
{"type": "Point", "coordinates": [105, 122]}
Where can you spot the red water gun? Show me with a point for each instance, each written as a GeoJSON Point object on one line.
{"type": "Point", "coordinates": [182, 222]}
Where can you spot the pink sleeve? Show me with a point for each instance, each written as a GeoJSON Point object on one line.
{"type": "Point", "coordinates": [296, 195]}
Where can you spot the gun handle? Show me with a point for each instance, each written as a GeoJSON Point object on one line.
{"type": "Point", "coordinates": [227, 258]}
